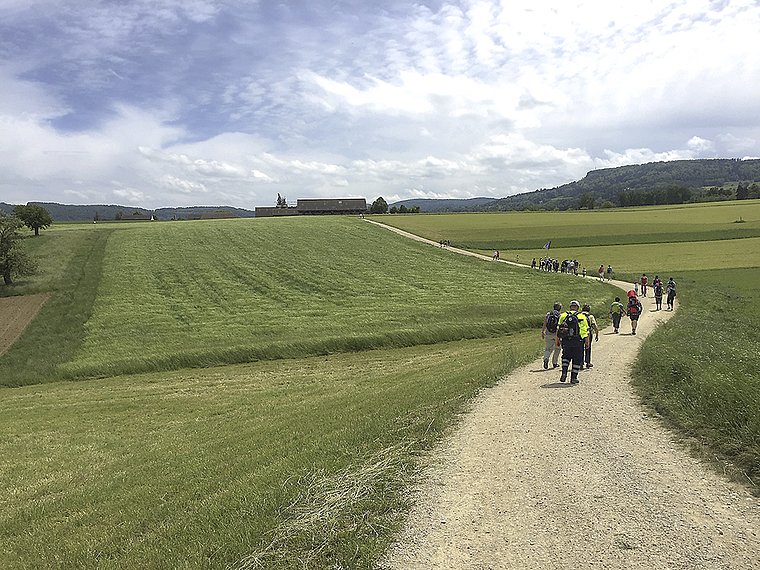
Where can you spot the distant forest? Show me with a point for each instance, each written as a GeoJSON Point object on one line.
{"type": "Point", "coordinates": [673, 182]}
{"type": "Point", "coordinates": [76, 213]}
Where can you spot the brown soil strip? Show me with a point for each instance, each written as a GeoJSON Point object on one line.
{"type": "Point", "coordinates": [15, 315]}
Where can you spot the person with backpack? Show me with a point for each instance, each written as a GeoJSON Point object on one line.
{"type": "Point", "coordinates": [549, 334]}
{"type": "Point", "coordinates": [633, 310]}
{"type": "Point", "coordinates": [658, 290]}
{"type": "Point", "coordinates": [671, 290]}
{"type": "Point", "coordinates": [573, 335]}
{"type": "Point", "coordinates": [617, 310]}
{"type": "Point", "coordinates": [644, 281]}
{"type": "Point", "coordinates": [592, 330]}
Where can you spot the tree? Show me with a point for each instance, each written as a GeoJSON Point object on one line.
{"type": "Point", "coordinates": [742, 192]}
{"type": "Point", "coordinates": [379, 206]}
{"type": "Point", "coordinates": [14, 261]}
{"type": "Point", "coordinates": [34, 217]}
{"type": "Point", "coordinates": [586, 201]}
{"type": "Point", "coordinates": [281, 202]}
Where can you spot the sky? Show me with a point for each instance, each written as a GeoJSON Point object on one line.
{"type": "Point", "coordinates": [169, 103]}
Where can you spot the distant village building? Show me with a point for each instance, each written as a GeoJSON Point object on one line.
{"type": "Point", "coordinates": [352, 206]}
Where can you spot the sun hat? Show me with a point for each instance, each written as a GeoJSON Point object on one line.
{"type": "Point", "coordinates": [631, 293]}
{"type": "Point", "coordinates": [575, 303]}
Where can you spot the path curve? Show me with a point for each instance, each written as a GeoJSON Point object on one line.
{"type": "Point", "coordinates": [545, 475]}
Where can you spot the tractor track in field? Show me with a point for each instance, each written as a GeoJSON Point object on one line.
{"type": "Point", "coordinates": [547, 475]}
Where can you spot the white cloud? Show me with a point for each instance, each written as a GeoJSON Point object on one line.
{"type": "Point", "coordinates": [179, 101]}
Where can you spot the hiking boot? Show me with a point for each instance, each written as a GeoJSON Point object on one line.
{"type": "Point", "coordinates": [573, 381]}
{"type": "Point", "coordinates": [589, 365]}
{"type": "Point", "coordinates": [555, 366]}
{"type": "Point", "coordinates": [563, 377]}
{"type": "Point", "coordinates": [546, 364]}
{"type": "Point", "coordinates": [633, 331]}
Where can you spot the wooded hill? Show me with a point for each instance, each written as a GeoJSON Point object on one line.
{"type": "Point", "coordinates": [639, 184]}
{"type": "Point", "coordinates": [83, 213]}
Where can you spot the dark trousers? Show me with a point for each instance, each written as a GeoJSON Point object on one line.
{"type": "Point", "coordinates": [587, 352]}
{"type": "Point", "coordinates": [572, 351]}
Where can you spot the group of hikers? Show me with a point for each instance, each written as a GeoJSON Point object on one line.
{"type": "Point", "coordinates": [557, 266]}
{"type": "Point", "coordinates": [658, 288]}
{"type": "Point", "coordinates": [573, 331]}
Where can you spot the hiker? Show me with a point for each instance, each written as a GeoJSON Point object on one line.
{"type": "Point", "coordinates": [658, 290]}
{"type": "Point", "coordinates": [617, 310]}
{"type": "Point", "coordinates": [549, 334]}
{"type": "Point", "coordinates": [593, 330]}
{"type": "Point", "coordinates": [633, 310]}
{"type": "Point", "coordinates": [644, 284]}
{"type": "Point", "coordinates": [601, 272]}
{"type": "Point", "coordinates": [533, 265]}
{"type": "Point", "coordinates": [573, 334]}
{"type": "Point", "coordinates": [609, 273]}
{"type": "Point", "coordinates": [671, 290]}
{"type": "Point", "coordinates": [636, 287]}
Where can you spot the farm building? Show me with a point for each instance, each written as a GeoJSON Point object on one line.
{"type": "Point", "coordinates": [353, 206]}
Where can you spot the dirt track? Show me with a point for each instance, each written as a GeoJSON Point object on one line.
{"type": "Point", "coordinates": [15, 315]}
{"type": "Point", "coordinates": [545, 475]}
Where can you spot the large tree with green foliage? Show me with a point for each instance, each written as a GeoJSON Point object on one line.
{"type": "Point", "coordinates": [379, 206]}
{"type": "Point", "coordinates": [33, 216]}
{"type": "Point", "coordinates": [14, 261]}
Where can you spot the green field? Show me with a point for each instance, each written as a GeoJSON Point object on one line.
{"type": "Point", "coordinates": [529, 231]}
{"type": "Point", "coordinates": [292, 371]}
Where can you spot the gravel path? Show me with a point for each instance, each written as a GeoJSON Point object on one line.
{"type": "Point", "coordinates": [546, 475]}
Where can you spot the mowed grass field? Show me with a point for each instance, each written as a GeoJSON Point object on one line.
{"type": "Point", "coordinates": [292, 372]}
{"type": "Point", "coordinates": [366, 347]}
{"type": "Point", "coordinates": [178, 295]}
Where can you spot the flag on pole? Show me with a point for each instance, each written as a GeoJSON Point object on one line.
{"type": "Point", "coordinates": [547, 245]}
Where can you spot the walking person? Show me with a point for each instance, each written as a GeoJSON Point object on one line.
{"type": "Point", "coordinates": [601, 272]}
{"type": "Point", "coordinates": [617, 310]}
{"type": "Point", "coordinates": [633, 310]}
{"type": "Point", "coordinates": [609, 273]}
{"type": "Point", "coordinates": [593, 330]}
{"type": "Point", "coordinates": [658, 290]}
{"type": "Point", "coordinates": [549, 334]}
{"type": "Point", "coordinates": [573, 335]}
{"type": "Point", "coordinates": [644, 281]}
{"type": "Point", "coordinates": [671, 290]}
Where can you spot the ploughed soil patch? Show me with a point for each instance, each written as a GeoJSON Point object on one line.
{"type": "Point", "coordinates": [15, 315]}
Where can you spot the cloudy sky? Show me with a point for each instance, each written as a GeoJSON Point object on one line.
{"type": "Point", "coordinates": [197, 102]}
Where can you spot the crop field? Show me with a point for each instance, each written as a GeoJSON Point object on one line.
{"type": "Point", "coordinates": [257, 393]}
